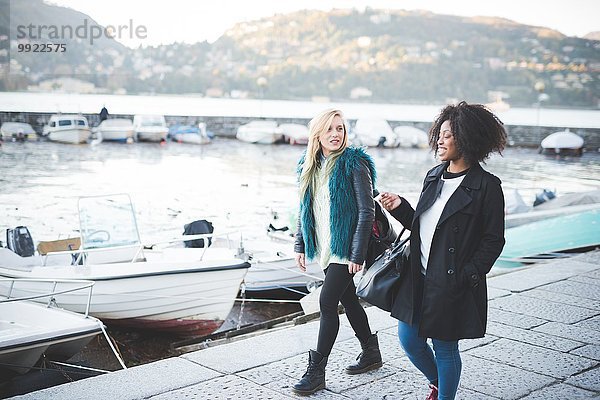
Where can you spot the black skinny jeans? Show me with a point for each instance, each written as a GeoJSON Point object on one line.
{"type": "Point", "coordinates": [339, 287]}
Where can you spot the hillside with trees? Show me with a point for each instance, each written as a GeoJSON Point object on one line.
{"type": "Point", "coordinates": [370, 55]}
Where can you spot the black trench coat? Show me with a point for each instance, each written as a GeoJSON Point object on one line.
{"type": "Point", "coordinates": [468, 239]}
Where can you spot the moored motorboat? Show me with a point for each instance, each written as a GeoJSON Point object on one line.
{"type": "Point", "coordinates": [117, 130]}
{"type": "Point", "coordinates": [562, 143]}
{"type": "Point", "coordinates": [67, 128]}
{"type": "Point", "coordinates": [260, 131]}
{"type": "Point", "coordinates": [295, 133]}
{"type": "Point", "coordinates": [518, 213]}
{"type": "Point", "coordinates": [373, 132]}
{"type": "Point", "coordinates": [29, 330]}
{"type": "Point", "coordinates": [17, 131]}
{"type": "Point", "coordinates": [280, 278]}
{"type": "Point", "coordinates": [134, 286]}
{"type": "Point", "coordinates": [150, 128]}
{"type": "Point", "coordinates": [544, 238]}
{"type": "Point", "coordinates": [409, 136]}
{"type": "Point", "coordinates": [189, 134]}
{"type": "Point", "coordinates": [184, 298]}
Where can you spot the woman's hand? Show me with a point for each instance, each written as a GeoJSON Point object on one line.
{"type": "Point", "coordinates": [354, 267]}
{"type": "Point", "coordinates": [388, 200]}
{"type": "Point", "coordinates": [301, 261]}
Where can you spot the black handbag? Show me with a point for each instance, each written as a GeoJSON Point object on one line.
{"type": "Point", "coordinates": [378, 284]}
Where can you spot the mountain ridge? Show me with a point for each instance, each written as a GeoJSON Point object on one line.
{"type": "Point", "coordinates": [371, 55]}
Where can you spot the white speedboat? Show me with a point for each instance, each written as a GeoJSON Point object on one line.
{"type": "Point", "coordinates": [67, 128]}
{"type": "Point", "coordinates": [151, 128]}
{"type": "Point", "coordinates": [188, 296]}
{"type": "Point", "coordinates": [262, 132]}
{"type": "Point", "coordinates": [375, 133]}
{"type": "Point", "coordinates": [17, 131]}
{"type": "Point", "coordinates": [562, 143]}
{"type": "Point", "coordinates": [117, 130]}
{"type": "Point", "coordinates": [295, 133]}
{"type": "Point", "coordinates": [28, 330]}
{"type": "Point", "coordinates": [409, 136]}
{"type": "Point", "coordinates": [518, 213]}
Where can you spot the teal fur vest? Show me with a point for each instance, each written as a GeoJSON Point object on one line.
{"type": "Point", "coordinates": [343, 216]}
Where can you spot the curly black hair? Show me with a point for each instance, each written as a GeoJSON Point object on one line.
{"type": "Point", "coordinates": [477, 131]}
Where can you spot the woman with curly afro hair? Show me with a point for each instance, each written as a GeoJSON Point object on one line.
{"type": "Point", "coordinates": [457, 233]}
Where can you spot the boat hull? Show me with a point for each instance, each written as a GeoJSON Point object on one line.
{"type": "Point", "coordinates": [551, 235]}
{"type": "Point", "coordinates": [116, 135]}
{"type": "Point", "coordinates": [187, 298]}
{"type": "Point", "coordinates": [151, 135]}
{"type": "Point", "coordinates": [28, 330]}
{"type": "Point", "coordinates": [562, 151]}
{"type": "Point", "coordinates": [181, 327]}
{"type": "Point", "coordinates": [191, 138]}
{"type": "Point", "coordinates": [70, 136]}
{"type": "Point", "coordinates": [281, 279]}
{"type": "Point", "coordinates": [369, 140]}
{"type": "Point", "coordinates": [259, 137]}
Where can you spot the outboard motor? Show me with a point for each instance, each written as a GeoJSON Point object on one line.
{"type": "Point", "coordinates": [19, 241]}
{"type": "Point", "coordinates": [199, 227]}
{"type": "Point", "coordinates": [543, 197]}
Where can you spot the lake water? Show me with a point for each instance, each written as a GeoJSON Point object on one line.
{"type": "Point", "coordinates": [235, 185]}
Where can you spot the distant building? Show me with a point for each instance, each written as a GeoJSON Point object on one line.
{"type": "Point", "coordinates": [496, 63]}
{"type": "Point", "coordinates": [359, 92]}
{"type": "Point", "coordinates": [238, 94]}
{"type": "Point", "coordinates": [64, 85]}
{"type": "Point", "coordinates": [214, 92]}
{"type": "Point", "coordinates": [320, 99]}
{"type": "Point", "coordinates": [363, 41]}
{"type": "Point", "coordinates": [381, 18]}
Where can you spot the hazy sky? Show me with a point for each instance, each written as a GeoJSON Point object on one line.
{"type": "Point", "coordinates": [192, 21]}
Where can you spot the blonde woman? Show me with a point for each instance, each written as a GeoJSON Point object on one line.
{"type": "Point", "coordinates": [334, 226]}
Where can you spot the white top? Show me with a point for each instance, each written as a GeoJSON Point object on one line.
{"type": "Point", "coordinates": [321, 211]}
{"type": "Point", "coordinates": [429, 219]}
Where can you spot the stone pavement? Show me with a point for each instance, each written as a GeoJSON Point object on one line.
{"type": "Point", "coordinates": [543, 342]}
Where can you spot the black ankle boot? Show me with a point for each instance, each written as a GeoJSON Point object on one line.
{"type": "Point", "coordinates": [314, 377]}
{"type": "Point", "coordinates": [368, 359]}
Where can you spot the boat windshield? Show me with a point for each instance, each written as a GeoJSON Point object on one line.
{"type": "Point", "coordinates": [107, 221]}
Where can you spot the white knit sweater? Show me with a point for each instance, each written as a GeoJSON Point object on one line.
{"type": "Point", "coordinates": [321, 211]}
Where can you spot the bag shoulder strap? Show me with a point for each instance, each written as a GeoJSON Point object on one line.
{"type": "Point", "coordinates": [399, 242]}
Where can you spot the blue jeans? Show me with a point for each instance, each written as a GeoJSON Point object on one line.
{"type": "Point", "coordinates": [443, 368]}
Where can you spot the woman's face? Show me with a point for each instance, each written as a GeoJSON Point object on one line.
{"type": "Point", "coordinates": [447, 150]}
{"type": "Point", "coordinates": [332, 139]}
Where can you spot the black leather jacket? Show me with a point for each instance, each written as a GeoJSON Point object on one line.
{"type": "Point", "coordinates": [363, 194]}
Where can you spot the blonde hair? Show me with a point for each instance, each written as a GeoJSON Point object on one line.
{"type": "Point", "coordinates": [317, 127]}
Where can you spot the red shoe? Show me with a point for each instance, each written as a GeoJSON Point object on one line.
{"type": "Point", "coordinates": [433, 395]}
